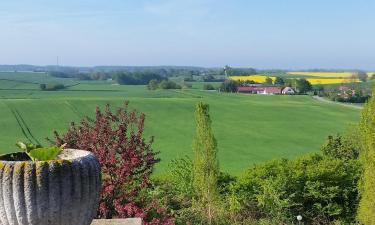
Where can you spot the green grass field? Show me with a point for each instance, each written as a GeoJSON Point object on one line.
{"type": "Point", "coordinates": [249, 128]}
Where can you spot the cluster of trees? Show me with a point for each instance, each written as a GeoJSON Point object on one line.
{"type": "Point", "coordinates": [361, 75]}
{"type": "Point", "coordinates": [211, 78]}
{"type": "Point", "coordinates": [137, 78]}
{"type": "Point", "coordinates": [163, 84]}
{"type": "Point", "coordinates": [356, 98]}
{"type": "Point", "coordinates": [229, 86]}
{"type": "Point", "coordinates": [302, 85]}
{"type": "Point", "coordinates": [51, 87]}
{"type": "Point", "coordinates": [351, 95]}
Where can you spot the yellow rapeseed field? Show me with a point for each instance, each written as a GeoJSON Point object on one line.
{"type": "Point", "coordinates": [256, 78]}
{"type": "Point", "coordinates": [327, 74]}
{"type": "Point", "coordinates": [313, 81]}
{"type": "Point", "coordinates": [323, 74]}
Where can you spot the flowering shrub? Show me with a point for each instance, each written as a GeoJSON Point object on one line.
{"type": "Point", "coordinates": [126, 160]}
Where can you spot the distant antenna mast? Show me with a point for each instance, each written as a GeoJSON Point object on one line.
{"type": "Point", "coordinates": [57, 61]}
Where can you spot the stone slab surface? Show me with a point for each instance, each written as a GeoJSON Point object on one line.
{"type": "Point", "coordinates": [130, 221]}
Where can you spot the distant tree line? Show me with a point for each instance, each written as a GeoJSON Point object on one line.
{"type": "Point", "coordinates": [212, 78]}
{"type": "Point", "coordinates": [137, 78]}
{"type": "Point", "coordinates": [81, 76]}
{"type": "Point", "coordinates": [142, 75]}
{"type": "Point", "coordinates": [239, 71]}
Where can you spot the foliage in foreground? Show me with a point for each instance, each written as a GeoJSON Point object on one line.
{"type": "Point", "coordinates": [39, 153]}
{"type": "Point", "coordinates": [323, 188]}
{"type": "Point", "coordinates": [126, 160]}
{"type": "Point", "coordinates": [366, 211]}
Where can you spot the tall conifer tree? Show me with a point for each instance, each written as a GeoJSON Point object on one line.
{"type": "Point", "coordinates": [206, 165]}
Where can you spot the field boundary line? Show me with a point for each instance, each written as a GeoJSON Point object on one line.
{"type": "Point", "coordinates": [27, 127]}
{"type": "Point", "coordinates": [22, 124]}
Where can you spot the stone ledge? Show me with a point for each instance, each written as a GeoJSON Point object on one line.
{"type": "Point", "coordinates": [129, 221]}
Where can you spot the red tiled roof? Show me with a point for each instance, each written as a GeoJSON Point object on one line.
{"type": "Point", "coordinates": [267, 90]}
{"type": "Point", "coordinates": [273, 90]}
{"type": "Point", "coordinates": [250, 89]}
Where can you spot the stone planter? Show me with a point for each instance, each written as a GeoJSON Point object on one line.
{"type": "Point", "coordinates": [65, 191]}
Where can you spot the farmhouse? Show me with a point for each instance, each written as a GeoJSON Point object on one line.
{"type": "Point", "coordinates": [288, 91]}
{"type": "Point", "coordinates": [267, 90]}
{"type": "Point", "coordinates": [346, 92]}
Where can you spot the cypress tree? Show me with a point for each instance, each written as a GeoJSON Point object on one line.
{"type": "Point", "coordinates": [366, 210]}
{"type": "Point", "coordinates": [206, 165]}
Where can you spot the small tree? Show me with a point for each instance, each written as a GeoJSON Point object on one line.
{"type": "Point", "coordinates": [229, 86]}
{"type": "Point", "coordinates": [303, 86]}
{"type": "Point", "coordinates": [205, 165]}
{"type": "Point", "coordinates": [153, 84]}
{"type": "Point", "coordinates": [43, 87]}
{"type": "Point", "coordinates": [279, 81]}
{"type": "Point", "coordinates": [208, 87]}
{"type": "Point", "coordinates": [366, 211]}
{"type": "Point", "coordinates": [340, 147]}
{"type": "Point", "coordinates": [268, 81]}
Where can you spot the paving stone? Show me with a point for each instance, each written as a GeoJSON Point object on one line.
{"type": "Point", "coordinates": [129, 221]}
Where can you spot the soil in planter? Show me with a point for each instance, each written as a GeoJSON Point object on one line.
{"type": "Point", "coordinates": [18, 156]}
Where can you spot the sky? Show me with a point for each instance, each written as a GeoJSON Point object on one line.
{"type": "Point", "coordinates": [265, 34]}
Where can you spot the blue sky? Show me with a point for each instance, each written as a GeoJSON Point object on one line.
{"type": "Point", "coordinates": [288, 34]}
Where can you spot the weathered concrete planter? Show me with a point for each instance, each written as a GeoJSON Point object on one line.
{"type": "Point", "coordinates": [57, 192]}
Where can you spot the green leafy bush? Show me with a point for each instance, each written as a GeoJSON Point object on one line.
{"type": "Point", "coordinates": [168, 84]}
{"type": "Point", "coordinates": [341, 147]}
{"type": "Point", "coordinates": [208, 87]}
{"type": "Point", "coordinates": [51, 87]}
{"type": "Point", "coordinates": [321, 189]}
